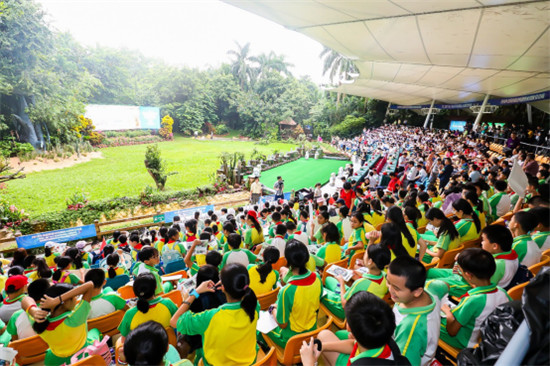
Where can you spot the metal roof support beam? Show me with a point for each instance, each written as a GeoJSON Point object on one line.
{"type": "Point", "coordinates": [480, 113]}
{"type": "Point", "coordinates": [529, 114]}
{"type": "Point", "coordinates": [429, 114]}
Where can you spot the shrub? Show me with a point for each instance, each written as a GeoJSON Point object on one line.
{"type": "Point", "coordinates": [222, 129]}
{"type": "Point", "coordinates": [166, 127]}
{"type": "Point", "coordinates": [156, 166]}
{"type": "Point", "coordinates": [349, 126]}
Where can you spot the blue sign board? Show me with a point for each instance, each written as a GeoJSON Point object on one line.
{"type": "Point", "coordinates": [271, 198]}
{"type": "Point", "coordinates": [501, 101]}
{"type": "Point", "coordinates": [149, 118]}
{"type": "Point", "coordinates": [186, 213]}
{"type": "Point", "coordinates": [58, 236]}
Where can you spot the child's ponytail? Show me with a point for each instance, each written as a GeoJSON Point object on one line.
{"type": "Point", "coordinates": [249, 303]}
{"type": "Point", "coordinates": [235, 281]}
{"type": "Point", "coordinates": [53, 291]}
{"type": "Point", "coordinates": [62, 263]}
{"type": "Point", "coordinates": [112, 261]}
{"type": "Point", "coordinates": [145, 286]}
{"type": "Point", "coordinates": [76, 255]}
{"type": "Point", "coordinates": [271, 256]}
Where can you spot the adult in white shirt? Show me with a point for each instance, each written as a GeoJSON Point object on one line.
{"type": "Point", "coordinates": [255, 191]}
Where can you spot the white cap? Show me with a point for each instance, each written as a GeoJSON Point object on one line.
{"type": "Point", "coordinates": [81, 244]}
{"type": "Point", "coordinates": [50, 244]}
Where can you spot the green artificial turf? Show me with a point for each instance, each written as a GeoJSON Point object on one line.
{"type": "Point", "coordinates": [302, 173]}
{"type": "Point", "coordinates": [122, 172]}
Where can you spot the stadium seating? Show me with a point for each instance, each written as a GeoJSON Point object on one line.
{"type": "Point", "coordinates": [448, 258]}
{"type": "Point", "coordinates": [107, 324]}
{"type": "Point", "coordinates": [290, 355]}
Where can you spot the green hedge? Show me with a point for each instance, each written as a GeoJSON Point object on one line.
{"type": "Point", "coordinates": [109, 207]}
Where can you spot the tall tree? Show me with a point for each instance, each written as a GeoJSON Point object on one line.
{"type": "Point", "coordinates": [271, 62]}
{"type": "Point", "coordinates": [241, 65]}
{"type": "Point", "coordinates": [337, 65]}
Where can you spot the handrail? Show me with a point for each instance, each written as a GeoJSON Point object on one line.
{"type": "Point", "coordinates": [101, 233]}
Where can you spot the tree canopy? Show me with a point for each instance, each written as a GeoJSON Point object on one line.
{"type": "Point", "coordinates": [47, 78]}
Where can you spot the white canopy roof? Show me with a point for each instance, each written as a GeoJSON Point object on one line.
{"type": "Point", "coordinates": [412, 51]}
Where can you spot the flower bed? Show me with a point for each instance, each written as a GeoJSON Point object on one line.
{"type": "Point", "coordinates": [124, 141]}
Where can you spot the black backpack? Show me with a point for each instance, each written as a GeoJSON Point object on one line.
{"type": "Point", "coordinates": [523, 274]}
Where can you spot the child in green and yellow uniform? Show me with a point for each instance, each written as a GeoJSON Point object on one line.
{"type": "Point", "coordinates": [148, 307]}
{"type": "Point", "coordinates": [62, 274]}
{"type": "Point", "coordinates": [65, 330]}
{"type": "Point", "coordinates": [148, 344]}
{"type": "Point", "coordinates": [542, 231]}
{"type": "Point", "coordinates": [447, 235]}
{"type": "Point", "coordinates": [263, 278]}
{"type": "Point", "coordinates": [469, 226]}
{"type": "Point", "coordinates": [357, 239]}
{"type": "Point", "coordinates": [376, 258]}
{"type": "Point", "coordinates": [49, 254]}
{"type": "Point", "coordinates": [460, 327]}
{"type": "Point", "coordinates": [367, 339]}
{"type": "Point", "coordinates": [229, 331]}
{"type": "Point", "coordinates": [254, 234]}
{"type": "Point", "coordinates": [172, 243]}
{"type": "Point", "coordinates": [149, 259]}
{"type": "Point", "coordinates": [330, 252]}
{"type": "Point", "coordinates": [298, 302]}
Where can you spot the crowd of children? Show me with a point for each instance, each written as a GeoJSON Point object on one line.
{"type": "Point", "coordinates": [386, 236]}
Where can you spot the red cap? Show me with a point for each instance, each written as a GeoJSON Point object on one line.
{"type": "Point", "coordinates": [17, 282]}
{"type": "Point", "coordinates": [253, 214]}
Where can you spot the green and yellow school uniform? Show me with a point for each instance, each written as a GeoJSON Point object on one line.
{"type": "Point", "coordinates": [141, 267]}
{"type": "Point", "coordinates": [357, 236]}
{"type": "Point", "coordinates": [410, 250]}
{"type": "Point", "coordinates": [228, 335]}
{"type": "Point", "coordinates": [174, 245]}
{"type": "Point", "coordinates": [242, 254]}
{"type": "Point", "coordinates": [382, 353]}
{"type": "Point", "coordinates": [67, 334]}
{"type": "Point", "coordinates": [493, 203]}
{"type": "Point", "coordinates": [443, 242]}
{"type": "Point", "coordinates": [253, 237]}
{"type": "Point", "coordinates": [471, 312]}
{"type": "Point", "coordinates": [297, 306]}
{"type": "Point", "coordinates": [542, 239]}
{"type": "Point", "coordinates": [259, 288]}
{"type": "Point", "coordinates": [527, 250]}
{"type": "Point", "coordinates": [159, 244]}
{"type": "Point", "coordinates": [161, 310]}
{"type": "Point", "coordinates": [330, 252]}
{"type": "Point", "coordinates": [482, 218]}
{"type": "Point", "coordinates": [271, 230]}
{"type": "Point", "coordinates": [118, 270]}
{"type": "Point", "coordinates": [50, 260]}
{"type": "Point", "coordinates": [67, 277]}
{"type": "Point", "coordinates": [417, 329]}
{"type": "Point", "coordinates": [370, 283]}
{"type": "Point", "coordinates": [319, 235]}
{"type": "Point", "coordinates": [467, 230]}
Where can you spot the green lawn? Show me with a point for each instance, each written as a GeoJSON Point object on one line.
{"type": "Point", "coordinates": [122, 172]}
{"type": "Point", "coordinates": [302, 173]}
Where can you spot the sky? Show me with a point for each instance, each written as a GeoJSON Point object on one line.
{"type": "Point", "coordinates": [182, 32]}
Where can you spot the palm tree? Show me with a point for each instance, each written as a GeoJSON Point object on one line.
{"type": "Point", "coordinates": [339, 66]}
{"type": "Point", "coordinates": [271, 62]}
{"type": "Point", "coordinates": [240, 66]}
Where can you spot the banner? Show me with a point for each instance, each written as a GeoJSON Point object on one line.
{"type": "Point", "coordinates": [58, 236]}
{"type": "Point", "coordinates": [123, 117]}
{"type": "Point", "coordinates": [271, 198]}
{"type": "Point", "coordinates": [186, 213]}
